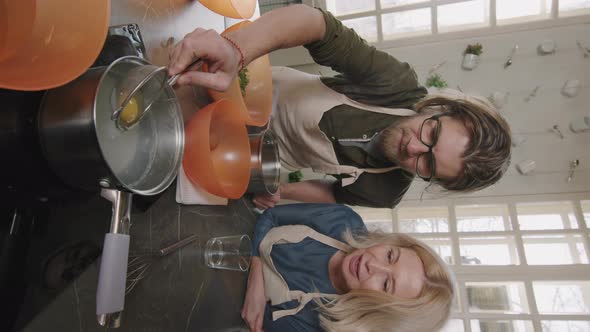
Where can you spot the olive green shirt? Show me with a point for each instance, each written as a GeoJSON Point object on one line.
{"type": "Point", "coordinates": [372, 77]}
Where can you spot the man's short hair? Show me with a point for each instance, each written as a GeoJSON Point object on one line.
{"type": "Point", "coordinates": [487, 156]}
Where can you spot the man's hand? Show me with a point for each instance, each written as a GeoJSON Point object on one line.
{"type": "Point", "coordinates": [255, 301]}
{"type": "Point", "coordinates": [267, 201]}
{"type": "Point", "coordinates": [222, 58]}
{"type": "Point", "coordinates": [309, 191]}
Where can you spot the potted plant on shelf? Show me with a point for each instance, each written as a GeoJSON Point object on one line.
{"type": "Point", "coordinates": [435, 81]}
{"type": "Point", "coordinates": [471, 56]}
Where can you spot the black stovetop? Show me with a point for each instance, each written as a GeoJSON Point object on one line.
{"type": "Point", "coordinates": [25, 177]}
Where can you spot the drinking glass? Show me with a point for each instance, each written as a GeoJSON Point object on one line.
{"type": "Point", "coordinates": [228, 252]}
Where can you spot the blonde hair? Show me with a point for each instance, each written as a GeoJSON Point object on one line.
{"type": "Point", "coordinates": [487, 157]}
{"type": "Point", "coordinates": [371, 311]}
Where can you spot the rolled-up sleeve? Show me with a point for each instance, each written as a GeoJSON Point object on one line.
{"type": "Point", "coordinates": [378, 77]}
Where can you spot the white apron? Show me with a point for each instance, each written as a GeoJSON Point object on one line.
{"type": "Point", "coordinates": [303, 100]}
{"type": "Point", "coordinates": [276, 288]}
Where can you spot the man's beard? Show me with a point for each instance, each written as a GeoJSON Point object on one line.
{"type": "Point", "coordinates": [388, 143]}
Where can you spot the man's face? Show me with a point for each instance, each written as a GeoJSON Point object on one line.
{"type": "Point", "coordinates": [404, 145]}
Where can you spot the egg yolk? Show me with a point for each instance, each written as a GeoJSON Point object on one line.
{"type": "Point", "coordinates": [130, 112]}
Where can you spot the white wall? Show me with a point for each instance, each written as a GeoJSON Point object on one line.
{"type": "Point", "coordinates": [533, 119]}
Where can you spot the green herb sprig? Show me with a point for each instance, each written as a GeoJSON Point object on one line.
{"type": "Point", "coordinates": [296, 176]}
{"type": "Point", "coordinates": [244, 80]}
{"type": "Point", "coordinates": [476, 49]}
{"type": "Point", "coordinates": [435, 80]}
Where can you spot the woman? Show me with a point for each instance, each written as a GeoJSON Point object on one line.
{"type": "Point", "coordinates": [322, 270]}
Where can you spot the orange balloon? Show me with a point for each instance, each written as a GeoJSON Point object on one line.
{"type": "Point", "coordinates": [45, 44]}
{"type": "Point", "coordinates": [217, 150]}
{"type": "Point", "coordinates": [257, 103]}
{"type": "Point", "coordinates": [231, 8]}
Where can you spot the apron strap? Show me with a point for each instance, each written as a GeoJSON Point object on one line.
{"type": "Point", "coordinates": [378, 109]}
{"type": "Point", "coordinates": [275, 285]}
{"type": "Point", "coordinates": [304, 299]}
{"type": "Point", "coordinates": [359, 171]}
{"type": "Point", "coordinates": [296, 233]}
{"type": "Point", "coordinates": [303, 100]}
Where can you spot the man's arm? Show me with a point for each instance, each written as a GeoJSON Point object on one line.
{"type": "Point", "coordinates": [281, 28]}
{"type": "Point", "coordinates": [310, 191]}
{"type": "Point", "coordinates": [368, 75]}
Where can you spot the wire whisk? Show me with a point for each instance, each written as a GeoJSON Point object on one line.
{"type": "Point", "coordinates": [138, 264]}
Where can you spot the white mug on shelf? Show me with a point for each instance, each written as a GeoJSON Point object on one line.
{"type": "Point", "coordinates": [526, 167]}
{"type": "Point", "coordinates": [499, 99]}
{"type": "Point", "coordinates": [580, 125]}
{"type": "Point", "coordinates": [571, 88]}
{"type": "Point", "coordinates": [470, 61]}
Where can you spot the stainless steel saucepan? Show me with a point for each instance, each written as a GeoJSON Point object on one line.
{"type": "Point", "coordinates": [265, 164]}
{"type": "Point", "coordinates": [87, 150]}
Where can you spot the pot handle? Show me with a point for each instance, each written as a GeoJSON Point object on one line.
{"type": "Point", "coordinates": [112, 277]}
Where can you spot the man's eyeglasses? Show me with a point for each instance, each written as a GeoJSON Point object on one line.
{"type": "Point", "coordinates": [429, 133]}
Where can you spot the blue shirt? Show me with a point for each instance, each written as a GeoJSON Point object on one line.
{"type": "Point", "coordinates": [304, 265]}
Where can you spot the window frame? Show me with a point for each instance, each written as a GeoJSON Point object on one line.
{"type": "Point", "coordinates": [553, 20]}
{"type": "Point", "coordinates": [522, 273]}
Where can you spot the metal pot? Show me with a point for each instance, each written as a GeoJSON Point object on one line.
{"type": "Point", "coordinates": [265, 166]}
{"type": "Point", "coordinates": [87, 150]}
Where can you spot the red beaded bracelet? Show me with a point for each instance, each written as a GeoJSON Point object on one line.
{"type": "Point", "coordinates": [242, 58]}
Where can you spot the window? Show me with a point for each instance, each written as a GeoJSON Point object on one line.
{"type": "Point", "coordinates": [454, 325]}
{"type": "Point", "coordinates": [424, 220]}
{"type": "Point", "coordinates": [520, 265]}
{"type": "Point", "coordinates": [557, 215]}
{"type": "Point", "coordinates": [497, 297]}
{"type": "Point", "coordinates": [478, 325]}
{"type": "Point", "coordinates": [268, 5]}
{"type": "Point", "coordinates": [376, 219]}
{"type": "Point", "coordinates": [384, 20]}
{"type": "Point", "coordinates": [563, 297]}
{"type": "Point", "coordinates": [563, 325]}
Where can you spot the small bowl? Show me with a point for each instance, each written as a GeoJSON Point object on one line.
{"type": "Point", "coordinates": [46, 44]}
{"type": "Point", "coordinates": [217, 150]}
{"type": "Point", "coordinates": [256, 105]}
{"type": "Point", "coordinates": [231, 8]}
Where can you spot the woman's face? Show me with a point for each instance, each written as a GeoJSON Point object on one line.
{"type": "Point", "coordinates": [395, 270]}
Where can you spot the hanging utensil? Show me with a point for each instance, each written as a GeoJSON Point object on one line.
{"type": "Point", "coordinates": [140, 89]}
{"type": "Point", "coordinates": [573, 165]}
{"type": "Point", "coordinates": [436, 67]}
{"type": "Point", "coordinates": [556, 130]}
{"type": "Point", "coordinates": [585, 51]}
{"type": "Point", "coordinates": [532, 94]}
{"type": "Point", "coordinates": [508, 62]}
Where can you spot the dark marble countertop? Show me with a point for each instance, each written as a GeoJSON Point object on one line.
{"type": "Point", "coordinates": [179, 292]}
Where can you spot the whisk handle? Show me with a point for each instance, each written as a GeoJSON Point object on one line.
{"type": "Point", "coordinates": [178, 245]}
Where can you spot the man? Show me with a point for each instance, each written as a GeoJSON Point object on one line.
{"type": "Point", "coordinates": [373, 127]}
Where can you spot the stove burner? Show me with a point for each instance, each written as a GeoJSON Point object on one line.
{"type": "Point", "coordinates": [121, 40]}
